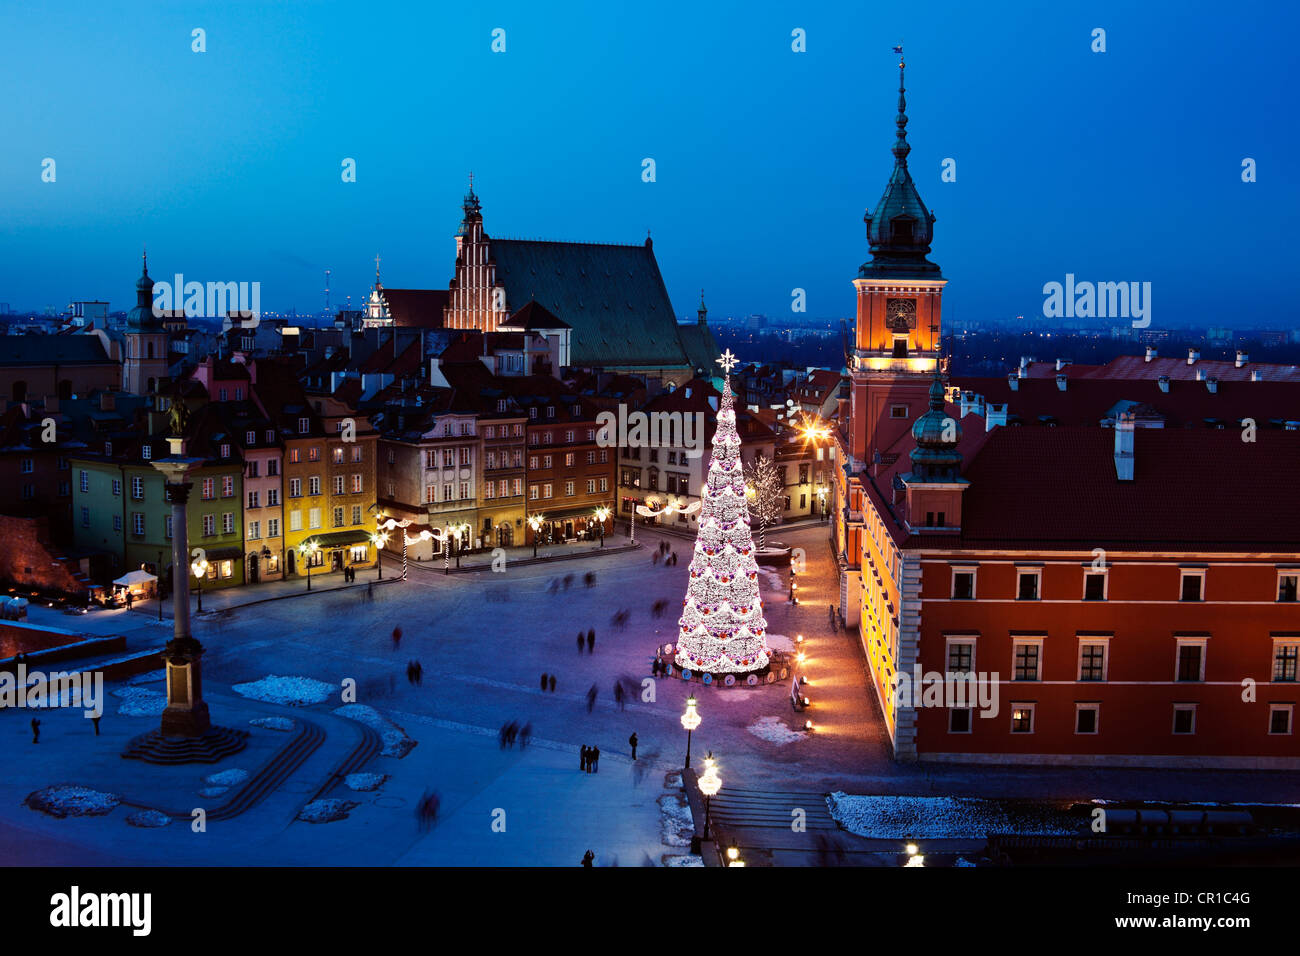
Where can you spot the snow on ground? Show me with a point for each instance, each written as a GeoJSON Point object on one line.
{"type": "Point", "coordinates": [365, 782]}
{"type": "Point", "coordinates": [289, 691]}
{"type": "Point", "coordinates": [148, 818]}
{"type": "Point", "coordinates": [676, 859]}
{"type": "Point", "coordinates": [272, 723]}
{"type": "Point", "coordinates": [396, 742]}
{"type": "Point", "coordinates": [226, 778]}
{"type": "Point", "coordinates": [772, 579]}
{"type": "Point", "coordinates": [326, 810]}
{"type": "Point", "coordinates": [774, 730]}
{"type": "Point", "coordinates": [69, 800]}
{"type": "Point", "coordinates": [212, 791]}
{"type": "Point", "coordinates": [779, 642]}
{"type": "Point", "coordinates": [934, 818]}
{"type": "Point", "coordinates": [676, 823]}
{"type": "Point", "coordinates": [140, 702]}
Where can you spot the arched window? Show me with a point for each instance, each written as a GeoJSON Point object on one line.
{"type": "Point", "coordinates": [150, 348]}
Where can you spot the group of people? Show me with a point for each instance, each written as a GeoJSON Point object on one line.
{"type": "Point", "coordinates": [589, 759]}
{"type": "Point", "coordinates": [658, 668]}
{"type": "Point", "coordinates": [415, 672]}
{"type": "Point", "coordinates": [512, 731]}
{"type": "Point", "coordinates": [426, 811]}
{"type": "Point", "coordinates": [349, 575]}
{"type": "Point", "coordinates": [548, 683]}
{"type": "Point", "coordinates": [664, 552]}
{"type": "Point", "coordinates": [589, 639]}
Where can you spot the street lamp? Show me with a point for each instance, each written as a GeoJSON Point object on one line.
{"type": "Point", "coordinates": [200, 568]}
{"type": "Point", "coordinates": [308, 550]}
{"type": "Point", "coordinates": [457, 531]}
{"type": "Point", "coordinates": [157, 585]}
{"type": "Point", "coordinates": [379, 539]}
{"type": "Point", "coordinates": [690, 720]}
{"type": "Point", "coordinates": [914, 855]}
{"type": "Point", "coordinates": [392, 523]}
{"type": "Point", "coordinates": [710, 784]}
{"type": "Point", "coordinates": [733, 856]}
{"type": "Point", "coordinates": [535, 522]}
{"type": "Point", "coordinates": [602, 513]}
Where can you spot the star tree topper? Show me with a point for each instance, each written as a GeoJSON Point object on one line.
{"type": "Point", "coordinates": [728, 361]}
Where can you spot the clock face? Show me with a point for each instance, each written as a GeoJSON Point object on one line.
{"type": "Point", "coordinates": [900, 314]}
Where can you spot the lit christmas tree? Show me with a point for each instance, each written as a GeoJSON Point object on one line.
{"type": "Point", "coordinates": [722, 627]}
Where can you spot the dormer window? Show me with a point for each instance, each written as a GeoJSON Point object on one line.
{"type": "Point", "coordinates": [501, 404]}
{"type": "Point", "coordinates": [901, 230]}
{"type": "Point", "coordinates": [225, 451]}
{"type": "Point", "coordinates": [250, 438]}
{"type": "Point", "coordinates": [304, 425]}
{"type": "Point", "coordinates": [146, 452]}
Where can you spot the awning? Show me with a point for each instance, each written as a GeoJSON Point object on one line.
{"type": "Point", "coordinates": [341, 539]}
{"type": "Point", "coordinates": [135, 579]}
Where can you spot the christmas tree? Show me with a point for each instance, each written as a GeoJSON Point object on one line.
{"type": "Point", "coordinates": [722, 627]}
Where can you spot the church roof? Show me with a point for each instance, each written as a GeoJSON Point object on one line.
{"type": "Point", "coordinates": [416, 308]}
{"type": "Point", "coordinates": [534, 316]}
{"type": "Point", "coordinates": [612, 296]}
{"type": "Point", "coordinates": [19, 350]}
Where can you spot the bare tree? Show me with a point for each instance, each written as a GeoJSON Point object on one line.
{"type": "Point", "coordinates": [765, 490]}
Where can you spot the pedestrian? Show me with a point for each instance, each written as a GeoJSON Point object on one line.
{"type": "Point", "coordinates": [595, 759]}
{"type": "Point", "coordinates": [501, 736]}
{"type": "Point", "coordinates": [525, 732]}
{"type": "Point", "coordinates": [591, 640]}
{"type": "Point", "coordinates": [130, 599]}
{"type": "Point", "coordinates": [512, 731]}
{"type": "Point", "coordinates": [543, 683]}
{"type": "Point", "coordinates": [580, 642]}
{"type": "Point", "coordinates": [568, 580]}
{"type": "Point", "coordinates": [632, 743]}
{"type": "Point", "coordinates": [591, 698]}
{"type": "Point", "coordinates": [36, 731]}
{"type": "Point", "coordinates": [370, 590]}
{"type": "Point", "coordinates": [552, 683]}
{"type": "Point", "coordinates": [419, 673]}
{"type": "Point", "coordinates": [397, 637]}
{"type": "Point", "coordinates": [95, 720]}
{"type": "Point", "coordinates": [587, 859]}
{"type": "Point", "coordinates": [618, 695]}
{"type": "Point", "coordinates": [654, 558]}
{"type": "Point", "coordinates": [582, 758]}
{"type": "Point", "coordinates": [410, 672]}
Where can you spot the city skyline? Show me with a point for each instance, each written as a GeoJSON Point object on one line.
{"type": "Point", "coordinates": [255, 192]}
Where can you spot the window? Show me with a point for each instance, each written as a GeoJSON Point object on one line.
{"type": "Point", "coordinates": [464, 490]}
{"type": "Point", "coordinates": [548, 438]}
{"type": "Point", "coordinates": [338, 517]}
{"type": "Point", "coordinates": [959, 721]}
{"type": "Point", "coordinates": [568, 489]}
{"type": "Point", "coordinates": [304, 426]}
{"type": "Point", "coordinates": [208, 489]}
{"type": "Point", "coordinates": [250, 438]}
{"type": "Point", "coordinates": [137, 522]}
{"type": "Point", "coordinates": [1288, 584]}
{"type": "Point", "coordinates": [146, 452]}
{"type": "Point", "coordinates": [227, 486]}
{"type": "Point", "coordinates": [117, 487]}
{"type": "Point", "coordinates": [270, 436]}
{"type": "Point", "coordinates": [357, 453]}
{"type": "Point", "coordinates": [550, 411]}
{"type": "Point", "coordinates": [338, 484]}
{"type": "Point", "coordinates": [84, 481]}
{"type": "Point", "coordinates": [273, 528]}
{"type": "Point", "coordinates": [1191, 659]}
{"type": "Point", "coordinates": [209, 525]}
{"type": "Point", "coordinates": [1285, 657]}
{"type": "Point", "coordinates": [295, 487]}
{"type": "Point", "coordinates": [1279, 718]}
{"type": "Point", "coordinates": [227, 522]}
{"type": "Point", "coordinates": [1192, 586]}
{"type": "Point", "coordinates": [313, 453]}
{"type": "Point", "coordinates": [295, 520]}
{"type": "Point", "coordinates": [1027, 653]}
{"type": "Point", "coordinates": [356, 484]}
{"type": "Point", "coordinates": [313, 485]}
{"type": "Point", "coordinates": [446, 492]}
{"type": "Point", "coordinates": [963, 584]}
{"type": "Point", "coordinates": [1092, 660]}
{"type": "Point", "coordinates": [489, 491]}
{"type": "Point", "coordinates": [604, 484]}
{"type": "Point", "coordinates": [546, 490]}
{"type": "Point", "coordinates": [604, 456]}
{"type": "Point", "coordinates": [26, 466]}
{"type": "Point", "coordinates": [568, 436]}
{"type": "Point", "coordinates": [1184, 718]}
{"type": "Point", "coordinates": [295, 455]}
{"type": "Point", "coordinates": [591, 486]}
{"type": "Point", "coordinates": [137, 487]}
{"type": "Point", "coordinates": [464, 456]}
{"type": "Point", "coordinates": [532, 493]}
{"type": "Point", "coordinates": [568, 460]}
{"type": "Point", "coordinates": [1027, 583]}
{"type": "Point", "coordinates": [897, 411]}
{"type": "Point", "coordinates": [1094, 586]}
{"type": "Point", "coordinates": [358, 554]}
{"type": "Point", "coordinates": [254, 530]}
{"type": "Point", "coordinates": [961, 656]}
{"type": "Point", "coordinates": [85, 517]}
{"type": "Point", "coordinates": [338, 454]}
{"type": "Point", "coordinates": [1086, 718]}
{"type": "Point", "coordinates": [167, 525]}
{"type": "Point", "coordinates": [225, 451]}
{"type": "Point", "coordinates": [117, 523]}
{"type": "Point", "coordinates": [252, 468]}
{"type": "Point", "coordinates": [254, 499]}
{"type": "Point", "coordinates": [1022, 718]}
{"type": "Point", "coordinates": [313, 518]}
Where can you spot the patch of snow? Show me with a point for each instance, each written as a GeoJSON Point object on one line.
{"type": "Point", "coordinates": [671, 859]}
{"type": "Point", "coordinates": [774, 730]}
{"type": "Point", "coordinates": [69, 800]}
{"type": "Point", "coordinates": [962, 861]}
{"type": "Point", "coordinates": [148, 818]}
{"type": "Point", "coordinates": [365, 782]}
{"type": "Point", "coordinates": [212, 791]}
{"type": "Point", "coordinates": [396, 742]}
{"type": "Point", "coordinates": [946, 818]}
{"type": "Point", "coordinates": [226, 778]}
{"type": "Point", "coordinates": [673, 780]}
{"type": "Point", "coordinates": [779, 642]}
{"type": "Point", "coordinates": [140, 702]}
{"type": "Point", "coordinates": [288, 691]}
{"type": "Point", "coordinates": [676, 824]}
{"type": "Point", "coordinates": [327, 810]}
{"type": "Point", "coordinates": [273, 723]}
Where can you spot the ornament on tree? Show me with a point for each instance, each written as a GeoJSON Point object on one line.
{"type": "Point", "coordinates": [721, 628]}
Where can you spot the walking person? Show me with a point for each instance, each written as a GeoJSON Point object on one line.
{"type": "Point", "coordinates": [543, 683]}
{"type": "Point", "coordinates": [618, 695]}
{"type": "Point", "coordinates": [525, 732]}
{"type": "Point", "coordinates": [36, 731]}
{"type": "Point", "coordinates": [582, 758]}
{"type": "Point", "coordinates": [95, 720]}
{"type": "Point", "coordinates": [580, 642]}
{"type": "Point", "coordinates": [595, 759]}
{"type": "Point", "coordinates": [587, 859]}
{"type": "Point", "coordinates": [551, 683]}
{"type": "Point", "coordinates": [631, 742]}
{"type": "Point", "coordinates": [591, 641]}
{"type": "Point", "coordinates": [397, 637]}
{"type": "Point", "coordinates": [591, 698]}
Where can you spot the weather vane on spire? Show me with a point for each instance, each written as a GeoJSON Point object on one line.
{"type": "Point", "coordinates": [728, 361]}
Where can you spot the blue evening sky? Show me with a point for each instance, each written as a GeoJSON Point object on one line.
{"type": "Point", "coordinates": [1117, 166]}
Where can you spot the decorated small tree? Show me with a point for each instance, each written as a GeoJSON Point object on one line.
{"type": "Point", "coordinates": [765, 488]}
{"type": "Point", "coordinates": [722, 628]}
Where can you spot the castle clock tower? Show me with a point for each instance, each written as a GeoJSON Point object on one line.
{"type": "Point", "coordinates": [145, 359]}
{"type": "Point", "coordinates": [896, 351]}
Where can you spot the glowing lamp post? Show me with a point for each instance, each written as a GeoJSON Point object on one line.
{"type": "Point", "coordinates": [380, 540]}
{"type": "Point", "coordinates": [690, 720]}
{"type": "Point", "coordinates": [308, 550]}
{"type": "Point", "coordinates": [535, 522]}
{"type": "Point", "coordinates": [392, 523]}
{"type": "Point", "coordinates": [733, 856]}
{"type": "Point", "coordinates": [710, 784]}
{"type": "Point", "coordinates": [602, 513]}
{"type": "Point", "coordinates": [454, 532]}
{"type": "Point", "coordinates": [199, 568]}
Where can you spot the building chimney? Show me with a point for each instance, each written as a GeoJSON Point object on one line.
{"type": "Point", "coordinates": [1212, 384]}
{"type": "Point", "coordinates": [1013, 380]}
{"type": "Point", "coordinates": [1256, 375]}
{"type": "Point", "coordinates": [1151, 353]}
{"type": "Point", "coordinates": [1200, 374]}
{"type": "Point", "coordinates": [1124, 429]}
{"type": "Point", "coordinates": [1192, 356]}
{"type": "Point", "coordinates": [1242, 358]}
{"type": "Point", "coordinates": [1061, 380]}
{"type": "Point", "coordinates": [970, 402]}
{"type": "Point", "coordinates": [1061, 363]}
{"type": "Point", "coordinates": [994, 415]}
{"type": "Point", "coordinates": [1163, 382]}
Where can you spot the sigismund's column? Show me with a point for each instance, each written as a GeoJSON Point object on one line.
{"type": "Point", "coordinates": [186, 714]}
